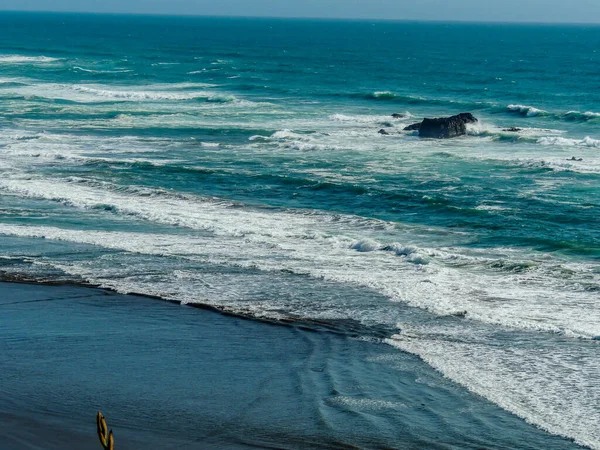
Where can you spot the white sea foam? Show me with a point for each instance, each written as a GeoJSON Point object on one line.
{"type": "Point", "coordinates": [384, 94]}
{"type": "Point", "coordinates": [289, 134]}
{"type": "Point", "coordinates": [83, 69]}
{"type": "Point", "coordinates": [367, 245]}
{"type": "Point", "coordinates": [291, 140]}
{"type": "Point", "coordinates": [577, 115]}
{"type": "Point", "coordinates": [98, 93]}
{"type": "Point", "coordinates": [366, 404]}
{"type": "Point", "coordinates": [365, 119]}
{"type": "Point", "coordinates": [492, 208]}
{"type": "Point", "coordinates": [307, 239]}
{"type": "Point", "coordinates": [548, 383]}
{"type": "Point", "coordinates": [136, 95]}
{"type": "Point", "coordinates": [528, 111]}
{"type": "Point", "coordinates": [23, 59]}
{"type": "Point", "coordinates": [566, 142]}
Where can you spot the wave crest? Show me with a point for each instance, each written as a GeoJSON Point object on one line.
{"type": "Point", "coordinates": [581, 116]}
{"type": "Point", "coordinates": [566, 142]}
{"type": "Point", "coordinates": [382, 95]}
{"type": "Point", "coordinates": [23, 59]}
{"type": "Point", "coordinates": [528, 111]}
{"type": "Point", "coordinates": [153, 95]}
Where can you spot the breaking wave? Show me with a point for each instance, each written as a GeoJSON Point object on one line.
{"type": "Point", "coordinates": [150, 95]}
{"type": "Point", "coordinates": [581, 116]}
{"type": "Point", "coordinates": [23, 59]}
{"type": "Point", "coordinates": [528, 111]}
{"type": "Point", "coordinates": [566, 142]}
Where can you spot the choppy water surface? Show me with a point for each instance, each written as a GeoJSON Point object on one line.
{"type": "Point", "coordinates": [237, 163]}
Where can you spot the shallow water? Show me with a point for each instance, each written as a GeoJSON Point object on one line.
{"type": "Point", "coordinates": [172, 377]}
{"type": "Point", "coordinates": [237, 163]}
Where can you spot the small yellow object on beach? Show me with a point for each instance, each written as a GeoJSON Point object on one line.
{"type": "Point", "coordinates": [106, 439]}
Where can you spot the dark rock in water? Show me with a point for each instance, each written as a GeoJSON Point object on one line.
{"type": "Point", "coordinates": [382, 131]}
{"type": "Point", "coordinates": [575, 159]}
{"type": "Point", "coordinates": [446, 127]}
{"type": "Point", "coordinates": [512, 129]}
{"type": "Point", "coordinates": [398, 116]}
{"type": "Point", "coordinates": [466, 117]}
{"type": "Point", "coordinates": [413, 127]}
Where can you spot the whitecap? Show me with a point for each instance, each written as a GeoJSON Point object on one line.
{"type": "Point", "coordinates": [566, 142]}
{"type": "Point", "coordinates": [22, 59]}
{"type": "Point", "coordinates": [577, 115]}
{"type": "Point", "coordinates": [528, 111]}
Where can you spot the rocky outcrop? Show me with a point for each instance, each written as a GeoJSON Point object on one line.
{"type": "Point", "coordinates": [382, 131]}
{"type": "Point", "coordinates": [398, 116]}
{"type": "Point", "coordinates": [446, 127]}
{"type": "Point", "coordinates": [413, 127]}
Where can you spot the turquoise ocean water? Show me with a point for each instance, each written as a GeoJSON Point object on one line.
{"type": "Point", "coordinates": [237, 163]}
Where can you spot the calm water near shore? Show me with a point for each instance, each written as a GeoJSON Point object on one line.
{"type": "Point", "coordinates": [237, 163]}
{"type": "Point", "coordinates": [173, 377]}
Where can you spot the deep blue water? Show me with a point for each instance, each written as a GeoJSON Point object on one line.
{"type": "Point", "coordinates": [237, 163]}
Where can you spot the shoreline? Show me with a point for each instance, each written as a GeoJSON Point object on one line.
{"type": "Point", "coordinates": [190, 378]}
{"type": "Point", "coordinates": [305, 324]}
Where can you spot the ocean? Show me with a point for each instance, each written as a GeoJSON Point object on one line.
{"type": "Point", "coordinates": [238, 164]}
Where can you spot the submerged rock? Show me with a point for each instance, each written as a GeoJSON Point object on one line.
{"type": "Point", "coordinates": [446, 127]}
{"type": "Point", "coordinates": [398, 116]}
{"type": "Point", "coordinates": [512, 129]}
{"type": "Point", "coordinates": [382, 131]}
